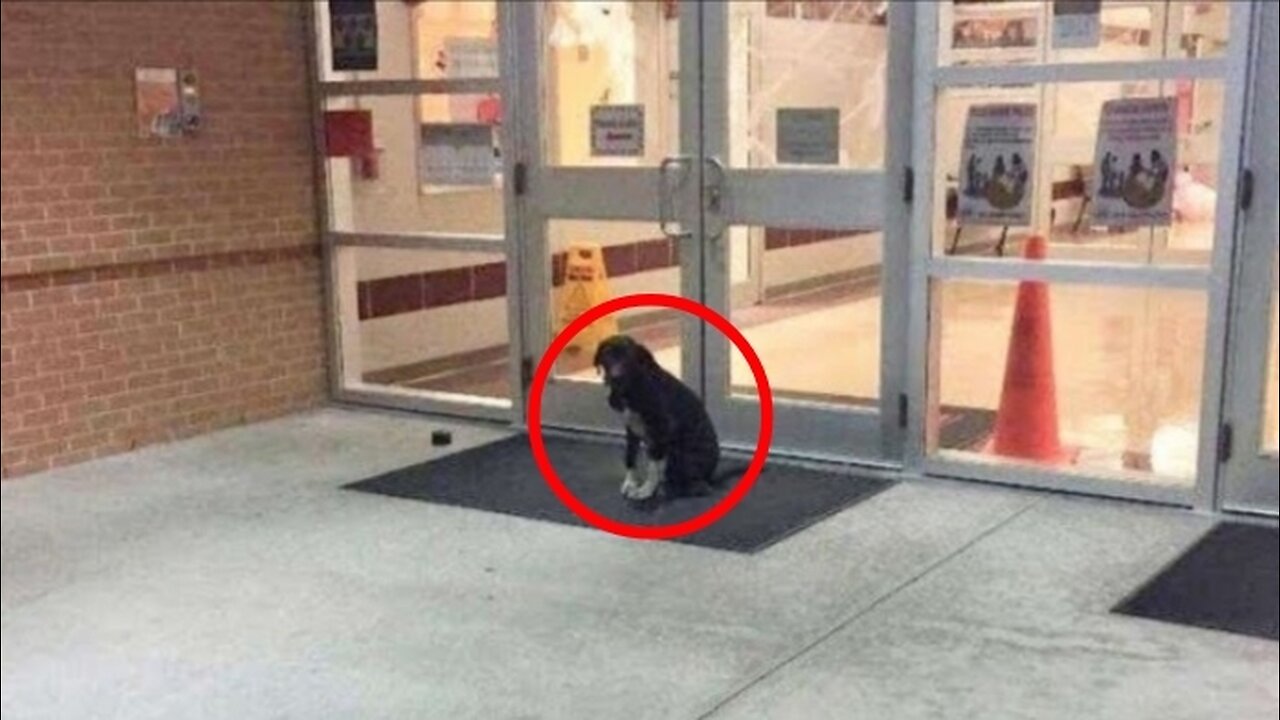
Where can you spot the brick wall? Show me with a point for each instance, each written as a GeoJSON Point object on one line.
{"type": "Point", "coordinates": [153, 289]}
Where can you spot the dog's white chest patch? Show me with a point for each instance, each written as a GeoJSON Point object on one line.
{"type": "Point", "coordinates": [636, 425]}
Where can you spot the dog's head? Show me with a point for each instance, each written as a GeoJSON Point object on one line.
{"type": "Point", "coordinates": [622, 361]}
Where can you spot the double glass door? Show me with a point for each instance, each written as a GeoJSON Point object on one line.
{"type": "Point", "coordinates": [503, 166]}
{"type": "Point", "coordinates": [748, 155]}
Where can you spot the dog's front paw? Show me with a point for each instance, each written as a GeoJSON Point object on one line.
{"type": "Point", "coordinates": [652, 482]}
{"type": "Point", "coordinates": [644, 491]}
{"type": "Point", "coordinates": [629, 485]}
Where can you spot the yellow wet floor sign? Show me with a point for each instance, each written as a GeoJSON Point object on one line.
{"type": "Point", "coordinates": [586, 284]}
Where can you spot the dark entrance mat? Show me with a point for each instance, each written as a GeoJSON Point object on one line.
{"type": "Point", "coordinates": [1227, 581]}
{"type": "Point", "coordinates": [502, 477]}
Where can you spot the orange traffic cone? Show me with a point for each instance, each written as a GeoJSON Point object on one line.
{"type": "Point", "coordinates": [1027, 424]}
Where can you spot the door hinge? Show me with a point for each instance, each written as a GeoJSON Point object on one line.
{"type": "Point", "coordinates": [526, 371]}
{"type": "Point", "coordinates": [520, 179]}
{"type": "Point", "coordinates": [904, 407]}
{"type": "Point", "coordinates": [908, 185]}
{"type": "Point", "coordinates": [1246, 189]}
{"type": "Point", "coordinates": [1226, 443]}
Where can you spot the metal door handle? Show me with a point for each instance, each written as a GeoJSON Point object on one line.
{"type": "Point", "coordinates": [666, 198]}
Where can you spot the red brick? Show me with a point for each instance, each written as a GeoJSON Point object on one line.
{"type": "Point", "coordinates": [129, 222]}
{"type": "Point", "coordinates": [47, 229]}
{"type": "Point", "coordinates": [44, 195]}
{"type": "Point", "coordinates": [20, 179]}
{"type": "Point", "coordinates": [32, 248]}
{"type": "Point", "coordinates": [87, 192]}
{"type": "Point", "coordinates": [51, 264]}
{"type": "Point", "coordinates": [60, 364]}
{"type": "Point", "coordinates": [22, 213]}
{"type": "Point", "coordinates": [24, 437]}
{"type": "Point", "coordinates": [21, 404]}
{"type": "Point", "coordinates": [72, 245]}
{"type": "Point", "coordinates": [63, 176]}
{"type": "Point", "coordinates": [68, 211]}
{"type": "Point", "coordinates": [43, 418]}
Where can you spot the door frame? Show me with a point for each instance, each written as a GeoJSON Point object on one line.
{"type": "Point", "coordinates": [338, 270]}
{"type": "Point", "coordinates": [629, 194]}
{"type": "Point", "coordinates": [926, 267]}
{"type": "Point", "coordinates": [750, 196]}
{"type": "Point", "coordinates": [766, 197]}
{"type": "Point", "coordinates": [1247, 480]}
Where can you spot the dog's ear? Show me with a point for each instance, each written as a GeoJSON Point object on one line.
{"type": "Point", "coordinates": [598, 361]}
{"type": "Point", "coordinates": [642, 357]}
{"type": "Point", "coordinates": [608, 348]}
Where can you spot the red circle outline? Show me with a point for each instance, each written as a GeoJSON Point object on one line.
{"type": "Point", "coordinates": [650, 532]}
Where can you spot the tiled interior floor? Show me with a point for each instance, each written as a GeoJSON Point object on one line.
{"type": "Point", "coordinates": [1128, 363]}
{"type": "Point", "coordinates": [230, 577]}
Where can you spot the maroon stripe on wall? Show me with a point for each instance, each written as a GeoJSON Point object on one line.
{"type": "Point", "coordinates": [779, 238]}
{"type": "Point", "coordinates": [385, 297]}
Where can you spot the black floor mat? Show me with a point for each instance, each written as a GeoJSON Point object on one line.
{"type": "Point", "coordinates": [502, 477]}
{"type": "Point", "coordinates": [1227, 581]}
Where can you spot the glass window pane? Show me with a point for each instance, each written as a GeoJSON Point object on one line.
{"type": "Point", "coordinates": [1004, 32]}
{"type": "Point", "coordinates": [419, 321]}
{"type": "Point", "coordinates": [807, 84]}
{"type": "Point", "coordinates": [789, 286]}
{"type": "Point", "coordinates": [1123, 366]}
{"type": "Point", "coordinates": [428, 163]}
{"type": "Point", "coordinates": [620, 59]}
{"type": "Point", "coordinates": [1064, 181]}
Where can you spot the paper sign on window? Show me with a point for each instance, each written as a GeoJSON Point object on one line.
{"type": "Point", "coordinates": [457, 154]}
{"type": "Point", "coordinates": [617, 130]}
{"type": "Point", "coordinates": [1134, 163]}
{"type": "Point", "coordinates": [809, 136]}
{"type": "Point", "coordinates": [997, 168]}
{"type": "Point", "coordinates": [469, 58]}
{"type": "Point", "coordinates": [1077, 24]}
{"type": "Point", "coordinates": [353, 34]}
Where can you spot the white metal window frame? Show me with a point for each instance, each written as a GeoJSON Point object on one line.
{"type": "Point", "coordinates": [348, 390]}
{"type": "Point", "coordinates": [927, 267]}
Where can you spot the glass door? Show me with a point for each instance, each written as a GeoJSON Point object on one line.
{"type": "Point", "coordinates": [1075, 235]}
{"type": "Point", "coordinates": [1250, 482]}
{"type": "Point", "coordinates": [806, 131]}
{"type": "Point", "coordinates": [608, 180]}
{"type": "Point", "coordinates": [750, 155]}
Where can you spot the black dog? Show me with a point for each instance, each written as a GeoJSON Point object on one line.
{"type": "Point", "coordinates": [665, 416]}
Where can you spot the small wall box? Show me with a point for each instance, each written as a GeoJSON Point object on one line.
{"type": "Point", "coordinates": [168, 102]}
